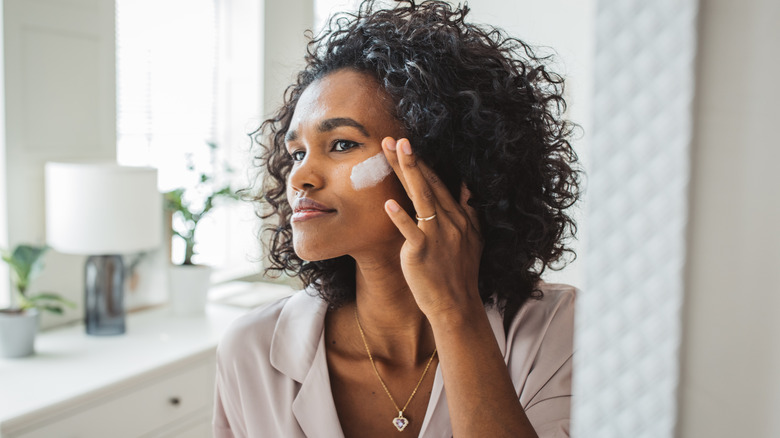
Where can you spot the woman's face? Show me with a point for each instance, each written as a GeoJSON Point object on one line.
{"type": "Point", "coordinates": [340, 179]}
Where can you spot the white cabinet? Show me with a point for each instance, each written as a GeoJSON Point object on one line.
{"type": "Point", "coordinates": [155, 381]}
{"type": "Point", "coordinates": [154, 408]}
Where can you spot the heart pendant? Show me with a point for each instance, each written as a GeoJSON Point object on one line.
{"type": "Point", "coordinates": [400, 422]}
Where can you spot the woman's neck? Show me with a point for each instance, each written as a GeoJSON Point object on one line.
{"type": "Point", "coordinates": [395, 328]}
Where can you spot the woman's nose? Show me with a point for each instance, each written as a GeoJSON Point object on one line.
{"type": "Point", "coordinates": [307, 175]}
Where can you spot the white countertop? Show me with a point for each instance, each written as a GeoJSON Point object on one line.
{"type": "Point", "coordinates": [69, 364]}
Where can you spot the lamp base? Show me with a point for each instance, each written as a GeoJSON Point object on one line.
{"type": "Point", "coordinates": [104, 310]}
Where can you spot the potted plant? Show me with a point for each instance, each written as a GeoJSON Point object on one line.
{"type": "Point", "coordinates": [19, 325]}
{"type": "Point", "coordinates": [188, 206]}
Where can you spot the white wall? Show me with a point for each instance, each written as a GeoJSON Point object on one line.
{"type": "Point", "coordinates": [731, 349]}
{"type": "Point", "coordinates": [60, 99]}
{"type": "Point", "coordinates": [284, 45]}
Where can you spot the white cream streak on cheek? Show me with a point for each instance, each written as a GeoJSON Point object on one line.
{"type": "Point", "coordinates": [370, 172]}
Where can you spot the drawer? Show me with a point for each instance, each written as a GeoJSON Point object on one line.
{"type": "Point", "coordinates": [134, 412]}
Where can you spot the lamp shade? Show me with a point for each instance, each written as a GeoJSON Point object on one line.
{"type": "Point", "coordinates": [102, 208]}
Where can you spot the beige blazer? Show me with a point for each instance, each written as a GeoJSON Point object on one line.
{"type": "Point", "coordinates": [272, 374]}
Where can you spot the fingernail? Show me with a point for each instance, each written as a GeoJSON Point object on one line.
{"type": "Point", "coordinates": [406, 147]}
{"type": "Point", "coordinates": [393, 206]}
{"type": "Point", "coordinates": [390, 143]}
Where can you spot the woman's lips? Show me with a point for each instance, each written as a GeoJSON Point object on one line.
{"type": "Point", "coordinates": [305, 209]}
{"type": "Point", "coordinates": [304, 215]}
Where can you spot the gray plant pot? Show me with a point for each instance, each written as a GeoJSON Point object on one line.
{"type": "Point", "coordinates": [17, 333]}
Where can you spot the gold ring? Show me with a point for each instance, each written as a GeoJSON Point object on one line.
{"type": "Point", "coordinates": [424, 219]}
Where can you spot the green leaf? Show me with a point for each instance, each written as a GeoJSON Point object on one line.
{"type": "Point", "coordinates": [189, 205]}
{"type": "Point", "coordinates": [23, 302]}
{"type": "Point", "coordinates": [5, 255]}
{"type": "Point", "coordinates": [174, 200]}
{"type": "Point", "coordinates": [28, 259]}
{"type": "Point", "coordinates": [47, 301]}
{"type": "Point", "coordinates": [26, 263]}
{"type": "Point", "coordinates": [50, 296]}
{"type": "Point", "coordinates": [52, 308]}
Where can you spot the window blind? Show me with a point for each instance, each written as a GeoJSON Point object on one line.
{"type": "Point", "coordinates": [167, 73]}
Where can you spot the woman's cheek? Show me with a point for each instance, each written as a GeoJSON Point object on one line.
{"type": "Point", "coordinates": [370, 172]}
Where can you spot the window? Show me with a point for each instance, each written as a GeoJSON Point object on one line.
{"type": "Point", "coordinates": [187, 74]}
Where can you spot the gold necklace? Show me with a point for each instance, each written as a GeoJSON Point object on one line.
{"type": "Point", "coordinates": [400, 422]}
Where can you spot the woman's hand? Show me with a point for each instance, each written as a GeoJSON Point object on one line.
{"type": "Point", "coordinates": [440, 261]}
{"type": "Point", "coordinates": [440, 258]}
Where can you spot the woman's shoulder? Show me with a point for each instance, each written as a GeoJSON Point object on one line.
{"type": "Point", "coordinates": [547, 318]}
{"type": "Point", "coordinates": [257, 325]}
{"type": "Point", "coordinates": [538, 349]}
{"type": "Point", "coordinates": [557, 298]}
{"type": "Point", "coordinates": [254, 332]}
{"type": "Point", "coordinates": [540, 344]}
{"type": "Point", "coordinates": [558, 291]}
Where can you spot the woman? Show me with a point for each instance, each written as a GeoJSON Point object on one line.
{"type": "Point", "coordinates": [420, 174]}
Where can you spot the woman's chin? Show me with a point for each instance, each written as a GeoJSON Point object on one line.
{"type": "Point", "coordinates": [313, 254]}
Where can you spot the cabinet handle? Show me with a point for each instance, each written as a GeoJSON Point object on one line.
{"type": "Point", "coordinates": [175, 401]}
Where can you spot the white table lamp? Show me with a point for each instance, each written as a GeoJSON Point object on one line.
{"type": "Point", "coordinates": [102, 210]}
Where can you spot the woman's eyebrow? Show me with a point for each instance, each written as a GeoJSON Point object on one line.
{"type": "Point", "coordinates": [331, 124]}
{"type": "Point", "coordinates": [291, 135]}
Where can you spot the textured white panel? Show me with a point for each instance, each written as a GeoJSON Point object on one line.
{"type": "Point", "coordinates": [628, 326]}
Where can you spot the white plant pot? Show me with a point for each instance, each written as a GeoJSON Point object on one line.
{"type": "Point", "coordinates": [17, 333]}
{"type": "Point", "coordinates": [188, 286]}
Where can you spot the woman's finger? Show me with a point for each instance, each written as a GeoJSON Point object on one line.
{"type": "Point", "coordinates": [471, 212]}
{"type": "Point", "coordinates": [444, 199]}
{"type": "Point", "coordinates": [417, 186]}
{"type": "Point", "coordinates": [405, 224]}
{"type": "Point", "coordinates": [442, 193]}
{"type": "Point", "coordinates": [389, 148]}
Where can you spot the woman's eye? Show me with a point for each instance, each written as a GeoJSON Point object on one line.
{"type": "Point", "coordinates": [297, 155]}
{"type": "Point", "coordinates": [344, 145]}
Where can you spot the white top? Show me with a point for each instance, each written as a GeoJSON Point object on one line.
{"type": "Point", "coordinates": [272, 372]}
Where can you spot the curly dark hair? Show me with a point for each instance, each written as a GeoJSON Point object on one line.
{"type": "Point", "coordinates": [479, 107]}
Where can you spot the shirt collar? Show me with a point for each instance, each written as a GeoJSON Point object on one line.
{"type": "Point", "coordinates": [298, 340]}
{"type": "Point", "coordinates": [497, 324]}
{"type": "Point", "coordinates": [297, 333]}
